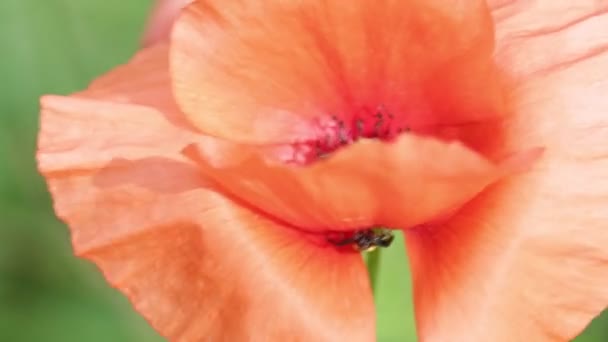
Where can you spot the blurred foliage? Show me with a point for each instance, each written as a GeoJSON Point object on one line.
{"type": "Point", "coordinates": [46, 294]}
{"type": "Point", "coordinates": [54, 46]}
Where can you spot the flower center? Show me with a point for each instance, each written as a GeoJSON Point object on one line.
{"type": "Point", "coordinates": [365, 240]}
{"type": "Point", "coordinates": [334, 132]}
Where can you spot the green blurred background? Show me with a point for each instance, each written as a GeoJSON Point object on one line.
{"type": "Point", "coordinates": [46, 294]}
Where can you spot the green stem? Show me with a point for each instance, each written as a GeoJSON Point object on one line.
{"type": "Point", "coordinates": [373, 267]}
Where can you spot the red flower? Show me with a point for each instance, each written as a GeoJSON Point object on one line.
{"type": "Point", "coordinates": [209, 176]}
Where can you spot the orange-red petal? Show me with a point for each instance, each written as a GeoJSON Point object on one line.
{"type": "Point", "coordinates": [370, 183]}
{"type": "Point", "coordinates": [269, 71]}
{"type": "Point", "coordinates": [76, 130]}
{"type": "Point", "coordinates": [528, 259]}
{"type": "Point", "coordinates": [144, 81]}
{"type": "Point", "coordinates": [195, 264]}
{"type": "Point", "coordinates": [199, 267]}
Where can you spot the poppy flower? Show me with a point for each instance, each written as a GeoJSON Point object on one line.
{"type": "Point", "coordinates": [209, 177]}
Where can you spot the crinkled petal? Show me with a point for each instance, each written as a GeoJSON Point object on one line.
{"type": "Point", "coordinates": [370, 183]}
{"type": "Point", "coordinates": [132, 103]}
{"type": "Point", "coordinates": [194, 263]}
{"type": "Point", "coordinates": [198, 267]}
{"type": "Point", "coordinates": [272, 71]}
{"type": "Point", "coordinates": [527, 260]}
{"type": "Point", "coordinates": [135, 97]}
{"type": "Point", "coordinates": [526, 30]}
{"type": "Point", "coordinates": [143, 81]}
{"type": "Point", "coordinates": [75, 130]}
